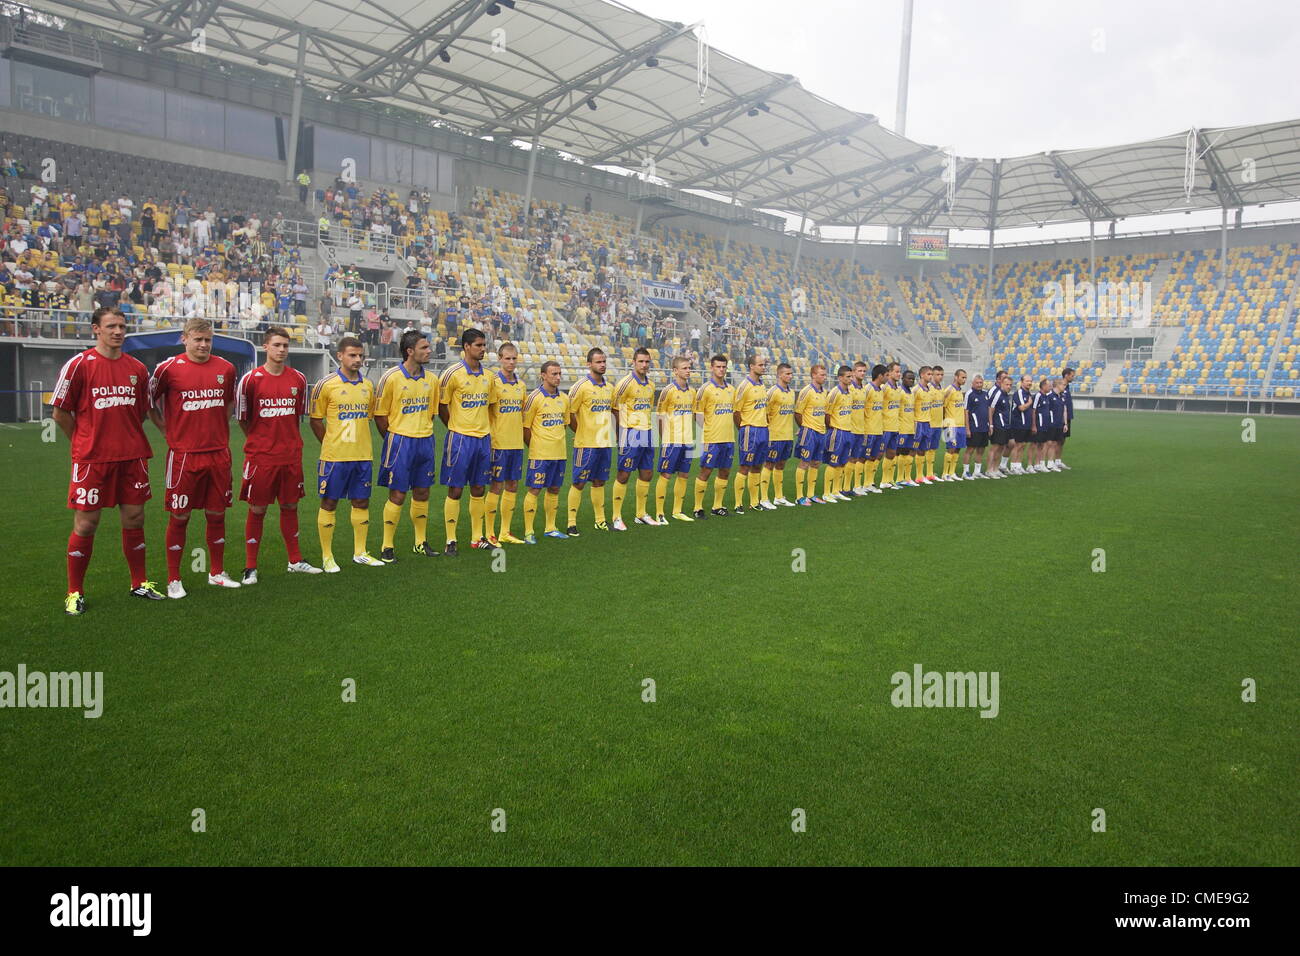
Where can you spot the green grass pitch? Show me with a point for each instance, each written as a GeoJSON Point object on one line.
{"type": "Point", "coordinates": [522, 690]}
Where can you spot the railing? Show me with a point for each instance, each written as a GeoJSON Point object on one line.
{"type": "Point", "coordinates": [67, 326]}
{"type": "Point", "coordinates": [1142, 353]}
{"type": "Point", "coordinates": [62, 43]}
{"type": "Point", "coordinates": [337, 241]}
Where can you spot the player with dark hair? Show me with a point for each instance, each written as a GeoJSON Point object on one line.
{"type": "Point", "coordinates": [750, 412]}
{"type": "Point", "coordinates": [634, 402]}
{"type": "Point", "coordinates": [780, 436]}
{"type": "Point", "coordinates": [1067, 421]}
{"type": "Point", "coordinates": [546, 415]}
{"type": "Point", "coordinates": [591, 401]}
{"type": "Point", "coordinates": [506, 394]}
{"type": "Point", "coordinates": [676, 440]}
{"type": "Point", "coordinates": [100, 402]}
{"type": "Point", "coordinates": [270, 402]}
{"type": "Point", "coordinates": [810, 417]}
{"type": "Point", "coordinates": [1000, 416]}
{"type": "Point", "coordinates": [954, 424]}
{"type": "Point", "coordinates": [839, 435]}
{"type": "Point", "coordinates": [404, 416]}
{"type": "Point", "coordinates": [906, 433]}
{"type": "Point", "coordinates": [714, 408]}
{"type": "Point", "coordinates": [467, 453]}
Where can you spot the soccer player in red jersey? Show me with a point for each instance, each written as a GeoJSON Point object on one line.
{"type": "Point", "coordinates": [100, 402]}
{"type": "Point", "coordinates": [191, 395]}
{"type": "Point", "coordinates": [270, 402]}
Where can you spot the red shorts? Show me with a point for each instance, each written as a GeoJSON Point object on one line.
{"type": "Point", "coordinates": [198, 480]}
{"type": "Point", "coordinates": [107, 484]}
{"type": "Point", "coordinates": [265, 484]}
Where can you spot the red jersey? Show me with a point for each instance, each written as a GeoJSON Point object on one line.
{"type": "Point", "coordinates": [109, 399]}
{"type": "Point", "coordinates": [273, 406]}
{"type": "Point", "coordinates": [194, 398]}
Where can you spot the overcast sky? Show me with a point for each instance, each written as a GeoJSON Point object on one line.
{"type": "Point", "coordinates": [997, 78]}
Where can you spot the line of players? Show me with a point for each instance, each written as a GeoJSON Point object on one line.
{"type": "Point", "coordinates": [891, 425]}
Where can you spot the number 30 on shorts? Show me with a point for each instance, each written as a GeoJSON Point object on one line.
{"type": "Point", "coordinates": [180, 502]}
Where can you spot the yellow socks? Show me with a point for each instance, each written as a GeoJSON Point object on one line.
{"type": "Point", "coordinates": [598, 502]}
{"type": "Point", "coordinates": [701, 486]}
{"type": "Point", "coordinates": [756, 488]}
{"type": "Point", "coordinates": [642, 493]}
{"type": "Point", "coordinates": [800, 476]}
{"type": "Point", "coordinates": [451, 514]}
{"type": "Point", "coordinates": [477, 506]}
{"type": "Point", "coordinates": [325, 529]}
{"type": "Point", "coordinates": [360, 528]}
{"type": "Point", "coordinates": [575, 502]}
{"type": "Point", "coordinates": [508, 500]}
{"type": "Point", "coordinates": [392, 514]}
{"type": "Point", "coordinates": [719, 492]}
{"type": "Point", "coordinates": [620, 492]}
{"type": "Point", "coordinates": [829, 480]}
{"type": "Point", "coordinates": [420, 519]}
{"type": "Point", "coordinates": [530, 512]}
{"type": "Point", "coordinates": [680, 494]}
{"type": "Point", "coordinates": [493, 502]}
{"type": "Point", "coordinates": [661, 495]}
{"type": "Point", "coordinates": [552, 506]}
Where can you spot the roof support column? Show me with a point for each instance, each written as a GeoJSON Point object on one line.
{"type": "Point", "coordinates": [798, 245]}
{"type": "Point", "coordinates": [295, 114]}
{"type": "Point", "coordinates": [988, 285]}
{"type": "Point", "coordinates": [1092, 253]}
{"type": "Point", "coordinates": [1223, 251]}
{"type": "Point", "coordinates": [853, 253]}
{"type": "Point", "coordinates": [532, 168]}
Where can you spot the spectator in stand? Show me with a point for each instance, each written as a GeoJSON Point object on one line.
{"type": "Point", "coordinates": [300, 291]}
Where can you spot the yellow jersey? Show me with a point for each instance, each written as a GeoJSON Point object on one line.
{"type": "Point", "coordinates": [875, 414]}
{"type": "Point", "coordinates": [921, 405]}
{"type": "Point", "coordinates": [907, 413]}
{"type": "Point", "coordinates": [893, 405]}
{"type": "Point", "coordinates": [859, 421]}
{"type": "Point", "coordinates": [839, 406]}
{"type": "Point", "coordinates": [506, 411]}
{"type": "Point", "coordinates": [407, 401]}
{"type": "Point", "coordinates": [677, 410]}
{"type": "Point", "coordinates": [717, 403]}
{"type": "Point", "coordinates": [936, 406]}
{"type": "Point", "coordinates": [344, 405]}
{"type": "Point", "coordinates": [751, 403]}
{"type": "Point", "coordinates": [954, 407]}
{"type": "Point", "coordinates": [811, 408]}
{"type": "Point", "coordinates": [465, 394]}
{"type": "Point", "coordinates": [780, 413]}
{"type": "Point", "coordinates": [591, 402]}
{"type": "Point", "coordinates": [635, 401]}
{"type": "Point", "coordinates": [546, 416]}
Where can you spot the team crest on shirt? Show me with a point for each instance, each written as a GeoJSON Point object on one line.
{"type": "Point", "coordinates": [132, 379]}
{"type": "Point", "coordinates": [221, 379]}
{"type": "Point", "coordinates": [293, 390]}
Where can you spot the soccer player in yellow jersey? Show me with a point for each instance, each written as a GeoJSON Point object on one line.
{"type": "Point", "coordinates": [506, 417]}
{"type": "Point", "coordinates": [591, 402]}
{"type": "Point", "coordinates": [839, 435]}
{"type": "Point", "coordinates": [780, 435]}
{"type": "Point", "coordinates": [467, 455]}
{"type": "Point", "coordinates": [714, 404]}
{"type": "Point", "coordinates": [936, 416]}
{"type": "Point", "coordinates": [340, 420]}
{"type": "Point", "coordinates": [954, 424]}
{"type": "Point", "coordinates": [853, 480]}
{"type": "Point", "coordinates": [893, 391]}
{"type": "Point", "coordinates": [750, 411]}
{"type": "Point", "coordinates": [676, 439]}
{"type": "Point", "coordinates": [921, 417]}
{"type": "Point", "coordinates": [404, 410]}
{"type": "Point", "coordinates": [810, 417]}
{"type": "Point", "coordinates": [906, 432]}
{"type": "Point", "coordinates": [875, 426]}
{"type": "Point", "coordinates": [546, 415]}
{"type": "Point", "coordinates": [634, 402]}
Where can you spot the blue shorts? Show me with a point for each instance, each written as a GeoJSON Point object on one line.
{"type": "Point", "coordinates": [675, 459]}
{"type": "Point", "coordinates": [506, 464]}
{"type": "Point", "coordinates": [954, 438]}
{"type": "Point", "coordinates": [344, 479]}
{"type": "Point", "coordinates": [906, 441]}
{"type": "Point", "coordinates": [406, 463]}
{"type": "Point", "coordinates": [545, 473]}
{"type": "Point", "coordinates": [637, 453]}
{"type": "Point", "coordinates": [466, 460]}
{"type": "Point", "coordinates": [875, 445]}
{"type": "Point", "coordinates": [859, 449]}
{"type": "Point", "coordinates": [591, 464]}
{"type": "Point", "coordinates": [779, 452]}
{"type": "Point", "coordinates": [936, 435]}
{"type": "Point", "coordinates": [839, 447]}
{"type": "Point", "coordinates": [718, 454]}
{"type": "Point", "coordinates": [891, 441]}
{"type": "Point", "coordinates": [812, 446]}
{"type": "Point", "coordinates": [752, 442]}
{"type": "Point", "coordinates": [922, 436]}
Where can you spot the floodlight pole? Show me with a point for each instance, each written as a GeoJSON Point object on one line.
{"type": "Point", "coordinates": [1092, 254]}
{"type": "Point", "coordinates": [295, 114]}
{"type": "Point", "coordinates": [798, 245]}
{"type": "Point", "coordinates": [532, 167]}
{"type": "Point", "coordinates": [853, 253]}
{"type": "Point", "coordinates": [988, 284]}
{"type": "Point", "coordinates": [900, 105]}
{"type": "Point", "coordinates": [1223, 251]}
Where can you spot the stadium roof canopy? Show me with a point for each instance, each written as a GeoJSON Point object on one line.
{"type": "Point", "coordinates": [535, 68]}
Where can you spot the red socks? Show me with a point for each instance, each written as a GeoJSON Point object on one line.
{"type": "Point", "coordinates": [216, 544]}
{"type": "Point", "coordinates": [79, 551]}
{"type": "Point", "coordinates": [252, 537]}
{"type": "Point", "coordinates": [289, 528]}
{"type": "Point", "coordinates": [175, 548]}
{"type": "Point", "coordinates": [134, 549]}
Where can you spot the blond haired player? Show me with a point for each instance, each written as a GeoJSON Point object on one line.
{"type": "Point", "coordinates": [780, 435]}
{"type": "Point", "coordinates": [506, 393]}
{"type": "Point", "coordinates": [676, 412]}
